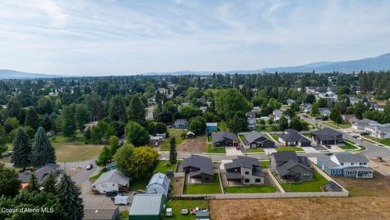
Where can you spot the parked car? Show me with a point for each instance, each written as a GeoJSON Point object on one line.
{"type": "Point", "coordinates": [89, 166]}
{"type": "Point", "coordinates": [111, 193]}
{"type": "Point", "coordinates": [9, 153]}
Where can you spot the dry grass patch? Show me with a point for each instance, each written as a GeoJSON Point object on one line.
{"type": "Point", "coordinates": [193, 145]}
{"type": "Point", "coordinates": [68, 152]}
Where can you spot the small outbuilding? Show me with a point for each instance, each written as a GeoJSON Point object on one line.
{"type": "Point", "coordinates": [146, 207]}
{"type": "Point", "coordinates": [158, 184]}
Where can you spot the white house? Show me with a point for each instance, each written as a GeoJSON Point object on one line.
{"type": "Point", "coordinates": [362, 124]}
{"type": "Point", "coordinates": [158, 184]}
{"type": "Point", "coordinates": [113, 180]}
{"type": "Point", "coordinates": [382, 131]}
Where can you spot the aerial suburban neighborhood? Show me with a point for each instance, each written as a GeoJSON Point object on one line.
{"type": "Point", "coordinates": [194, 110]}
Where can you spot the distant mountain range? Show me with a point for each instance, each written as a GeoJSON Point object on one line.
{"type": "Point", "coordinates": [12, 74]}
{"type": "Point", "coordinates": [381, 62]}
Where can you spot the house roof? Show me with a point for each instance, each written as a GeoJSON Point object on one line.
{"type": "Point", "coordinates": [92, 214]}
{"type": "Point", "coordinates": [211, 124]}
{"type": "Point", "coordinates": [291, 130]}
{"type": "Point", "coordinates": [285, 168]}
{"type": "Point", "coordinates": [240, 161]}
{"type": "Point", "coordinates": [234, 175]}
{"type": "Point", "coordinates": [181, 121]}
{"type": "Point", "coordinates": [220, 136]}
{"type": "Point", "coordinates": [46, 170]}
{"type": "Point", "coordinates": [254, 136]}
{"type": "Point", "coordinates": [204, 164]}
{"type": "Point", "coordinates": [326, 161]}
{"type": "Point", "coordinates": [112, 164]}
{"type": "Point", "coordinates": [113, 176]}
{"type": "Point", "coordinates": [293, 137]}
{"type": "Point", "coordinates": [146, 204]}
{"type": "Point", "coordinates": [284, 156]}
{"type": "Point", "coordinates": [365, 122]}
{"type": "Point", "coordinates": [334, 187]}
{"type": "Point", "coordinates": [25, 176]}
{"type": "Point", "coordinates": [351, 158]}
{"type": "Point", "coordinates": [159, 179]}
{"type": "Point", "coordinates": [326, 134]}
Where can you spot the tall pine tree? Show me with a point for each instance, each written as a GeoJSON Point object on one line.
{"type": "Point", "coordinates": [49, 185]}
{"type": "Point", "coordinates": [172, 151]}
{"type": "Point", "coordinates": [136, 111]}
{"type": "Point", "coordinates": [42, 152]}
{"type": "Point", "coordinates": [22, 150]}
{"type": "Point", "coordinates": [33, 185]}
{"type": "Point", "coordinates": [69, 195]}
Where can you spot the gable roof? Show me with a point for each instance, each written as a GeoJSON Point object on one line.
{"type": "Point", "coordinates": [351, 158]}
{"type": "Point", "coordinates": [46, 170]}
{"type": "Point", "coordinates": [240, 161]}
{"type": "Point", "coordinates": [159, 179]}
{"type": "Point", "coordinates": [113, 176]}
{"type": "Point", "coordinates": [146, 204]}
{"type": "Point", "coordinates": [326, 134]}
{"type": "Point", "coordinates": [220, 136]}
{"type": "Point", "coordinates": [293, 137]}
{"type": "Point", "coordinates": [204, 164]}
{"type": "Point", "coordinates": [254, 136]}
{"type": "Point", "coordinates": [285, 168]}
{"type": "Point", "coordinates": [96, 214]}
{"type": "Point", "coordinates": [284, 156]}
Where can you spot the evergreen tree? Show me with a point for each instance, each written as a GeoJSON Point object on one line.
{"type": "Point", "coordinates": [136, 111]}
{"type": "Point", "coordinates": [46, 122]}
{"type": "Point", "coordinates": [33, 185]}
{"type": "Point", "coordinates": [49, 185]}
{"type": "Point", "coordinates": [315, 110]}
{"type": "Point", "coordinates": [32, 119]}
{"type": "Point", "coordinates": [283, 123]}
{"type": "Point", "coordinates": [22, 150]}
{"type": "Point", "coordinates": [69, 196]}
{"type": "Point", "coordinates": [117, 109]}
{"type": "Point", "coordinates": [88, 134]}
{"type": "Point", "coordinates": [42, 152]}
{"type": "Point", "coordinates": [9, 182]}
{"type": "Point", "coordinates": [68, 124]}
{"type": "Point", "coordinates": [172, 151]}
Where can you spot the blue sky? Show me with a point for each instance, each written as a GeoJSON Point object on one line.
{"type": "Point", "coordinates": [80, 37]}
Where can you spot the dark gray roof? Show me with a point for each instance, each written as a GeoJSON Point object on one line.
{"type": "Point", "coordinates": [326, 134]}
{"type": "Point", "coordinates": [25, 176]}
{"type": "Point", "coordinates": [284, 156]}
{"type": "Point", "coordinates": [291, 130]}
{"type": "Point", "coordinates": [351, 158]}
{"type": "Point", "coordinates": [95, 214]}
{"type": "Point", "coordinates": [326, 161]}
{"type": "Point", "coordinates": [285, 168]}
{"type": "Point", "coordinates": [293, 137]}
{"type": "Point", "coordinates": [334, 187]}
{"type": "Point", "coordinates": [44, 171]}
{"type": "Point", "coordinates": [204, 164]}
{"type": "Point", "coordinates": [220, 136]}
{"type": "Point", "coordinates": [240, 161]}
{"type": "Point", "coordinates": [254, 136]}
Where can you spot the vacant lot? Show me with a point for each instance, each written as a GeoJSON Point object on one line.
{"type": "Point", "coordinates": [301, 208]}
{"type": "Point", "coordinates": [193, 145]}
{"type": "Point", "coordinates": [163, 166]}
{"type": "Point", "coordinates": [177, 184]}
{"type": "Point", "coordinates": [379, 186]}
{"type": "Point", "coordinates": [68, 152]}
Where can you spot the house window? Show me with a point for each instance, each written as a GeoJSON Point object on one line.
{"type": "Point", "coordinates": [364, 163]}
{"type": "Point", "coordinates": [246, 172]}
{"type": "Point", "coordinates": [342, 164]}
{"type": "Point", "coordinates": [113, 184]}
{"type": "Point", "coordinates": [306, 174]}
{"type": "Point", "coordinates": [246, 180]}
{"type": "Point", "coordinates": [352, 164]}
{"type": "Point", "coordinates": [258, 180]}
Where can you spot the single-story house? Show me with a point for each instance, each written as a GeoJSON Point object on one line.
{"type": "Point", "coordinates": [113, 180]}
{"type": "Point", "coordinates": [158, 184]}
{"type": "Point", "coordinates": [180, 123]}
{"type": "Point", "coordinates": [251, 123]}
{"type": "Point", "coordinates": [246, 170]}
{"type": "Point", "coordinates": [292, 137]}
{"type": "Point", "coordinates": [251, 114]}
{"type": "Point", "coordinates": [333, 187]}
{"type": "Point", "coordinates": [382, 131]}
{"type": "Point", "coordinates": [211, 126]}
{"type": "Point", "coordinates": [291, 167]}
{"type": "Point", "coordinates": [345, 164]}
{"type": "Point", "coordinates": [325, 112]}
{"type": "Point", "coordinates": [199, 167]}
{"type": "Point", "coordinates": [327, 136]}
{"type": "Point", "coordinates": [362, 124]}
{"type": "Point", "coordinates": [224, 138]}
{"type": "Point", "coordinates": [103, 214]}
{"type": "Point", "coordinates": [256, 139]}
{"type": "Point", "coordinates": [305, 107]}
{"type": "Point", "coordinates": [277, 114]}
{"type": "Point", "coordinates": [203, 109]}
{"type": "Point", "coordinates": [41, 174]}
{"type": "Point", "coordinates": [147, 206]}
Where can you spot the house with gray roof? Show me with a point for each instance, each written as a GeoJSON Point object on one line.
{"type": "Point", "coordinates": [327, 136]}
{"type": "Point", "coordinates": [180, 123]}
{"type": "Point", "coordinates": [324, 112]}
{"type": "Point", "coordinates": [292, 137]}
{"type": "Point", "coordinates": [41, 174]}
{"type": "Point", "coordinates": [288, 166]}
{"type": "Point", "coordinates": [345, 164]}
{"type": "Point", "coordinates": [246, 170]}
{"type": "Point", "coordinates": [256, 139]}
{"type": "Point", "coordinates": [305, 107]}
{"type": "Point", "coordinates": [382, 131]}
{"type": "Point", "coordinates": [158, 184]}
{"type": "Point", "coordinates": [199, 168]}
{"type": "Point", "coordinates": [113, 180]}
{"type": "Point", "coordinates": [362, 124]}
{"type": "Point", "coordinates": [147, 206]}
{"type": "Point", "coordinates": [224, 138]}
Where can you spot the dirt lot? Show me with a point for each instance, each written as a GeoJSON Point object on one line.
{"type": "Point", "coordinates": [379, 186]}
{"type": "Point", "coordinates": [302, 208]}
{"type": "Point", "coordinates": [177, 185]}
{"type": "Point", "coordinates": [382, 166]}
{"type": "Point", "coordinates": [193, 145]}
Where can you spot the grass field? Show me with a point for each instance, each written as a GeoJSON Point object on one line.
{"type": "Point", "coordinates": [163, 166]}
{"type": "Point", "coordinates": [335, 125]}
{"type": "Point", "coordinates": [298, 149]}
{"type": "Point", "coordinates": [309, 186]}
{"type": "Point", "coordinates": [264, 163]}
{"type": "Point", "coordinates": [69, 152]}
{"type": "Point", "coordinates": [251, 189]}
{"type": "Point", "coordinates": [210, 149]}
{"type": "Point", "coordinates": [77, 140]}
{"type": "Point", "coordinates": [177, 205]}
{"type": "Point", "coordinates": [212, 188]}
{"type": "Point", "coordinates": [172, 133]}
{"type": "Point", "coordinates": [385, 141]}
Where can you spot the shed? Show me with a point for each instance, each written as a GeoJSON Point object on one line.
{"type": "Point", "coordinates": [158, 184]}
{"type": "Point", "coordinates": [212, 126]}
{"type": "Point", "coordinates": [146, 207]}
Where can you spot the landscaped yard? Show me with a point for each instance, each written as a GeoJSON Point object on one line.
{"type": "Point", "coordinates": [177, 205]}
{"type": "Point", "coordinates": [385, 141]}
{"type": "Point", "coordinates": [264, 163]}
{"type": "Point", "coordinates": [207, 188]}
{"type": "Point", "coordinates": [163, 166]}
{"type": "Point", "coordinates": [341, 125]}
{"type": "Point", "coordinates": [77, 140]}
{"type": "Point", "coordinates": [289, 149]}
{"type": "Point", "coordinates": [251, 189]}
{"type": "Point", "coordinates": [172, 133]}
{"type": "Point", "coordinates": [257, 150]}
{"type": "Point", "coordinates": [348, 146]}
{"type": "Point", "coordinates": [309, 186]}
{"type": "Point", "coordinates": [69, 152]}
{"type": "Point", "coordinates": [210, 149]}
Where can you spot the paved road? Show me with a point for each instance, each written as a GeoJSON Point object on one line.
{"type": "Point", "coordinates": [372, 149]}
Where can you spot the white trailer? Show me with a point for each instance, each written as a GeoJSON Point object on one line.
{"type": "Point", "coordinates": [121, 200]}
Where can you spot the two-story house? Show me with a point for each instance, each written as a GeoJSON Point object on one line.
{"type": "Point", "coordinates": [345, 164]}
{"type": "Point", "coordinates": [246, 170]}
{"type": "Point", "coordinates": [288, 166]}
{"type": "Point", "coordinates": [199, 169]}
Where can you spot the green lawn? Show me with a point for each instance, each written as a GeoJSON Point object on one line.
{"type": "Point", "coordinates": [242, 137]}
{"type": "Point", "coordinates": [267, 128]}
{"type": "Point", "coordinates": [77, 140]}
{"type": "Point", "coordinates": [385, 141]}
{"type": "Point", "coordinates": [210, 149]}
{"type": "Point", "coordinates": [348, 146]}
{"type": "Point", "coordinates": [222, 126]}
{"type": "Point", "coordinates": [298, 149]}
{"type": "Point", "coordinates": [264, 163]}
{"type": "Point", "coordinates": [163, 166]}
{"type": "Point", "coordinates": [172, 133]}
{"type": "Point", "coordinates": [362, 148]}
{"type": "Point", "coordinates": [177, 205]}
{"type": "Point", "coordinates": [310, 186]}
{"type": "Point", "coordinates": [341, 125]}
{"type": "Point", "coordinates": [251, 189]}
{"type": "Point", "coordinates": [257, 150]}
{"type": "Point", "coordinates": [94, 178]}
{"type": "Point", "coordinates": [206, 188]}
{"type": "Point", "coordinates": [139, 184]}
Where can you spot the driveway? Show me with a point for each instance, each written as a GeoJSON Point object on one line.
{"type": "Point", "coordinates": [310, 150]}
{"type": "Point", "coordinates": [269, 150]}
{"type": "Point", "coordinates": [232, 151]}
